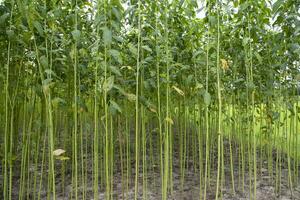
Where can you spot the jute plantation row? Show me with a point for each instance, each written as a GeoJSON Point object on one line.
{"type": "Point", "coordinates": [119, 99]}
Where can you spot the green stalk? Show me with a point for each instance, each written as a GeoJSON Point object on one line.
{"type": "Point", "coordinates": [81, 121]}
{"type": "Point", "coordinates": [75, 156]}
{"type": "Point", "coordinates": [107, 139]}
{"type": "Point", "coordinates": [128, 157]}
{"type": "Point", "coordinates": [36, 157]}
{"type": "Point", "coordinates": [219, 106]}
{"type": "Point", "coordinates": [42, 168]}
{"type": "Point", "coordinates": [207, 152]}
{"type": "Point", "coordinates": [121, 149]}
{"type": "Point", "coordinates": [47, 96]}
{"type": "Point", "coordinates": [96, 131]}
{"type": "Point", "coordinates": [24, 154]}
{"type": "Point", "coordinates": [6, 129]}
{"type": "Point", "coordinates": [137, 105]}
{"type": "Point", "coordinates": [111, 156]}
{"type": "Point", "coordinates": [167, 123]}
{"type": "Point", "coordinates": [232, 110]}
{"type": "Point", "coordinates": [253, 114]}
{"type": "Point", "coordinates": [200, 149]}
{"type": "Point", "coordinates": [288, 143]}
{"type": "Point", "coordinates": [144, 151]}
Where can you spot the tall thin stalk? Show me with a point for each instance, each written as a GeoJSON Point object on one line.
{"type": "Point", "coordinates": [137, 103]}
{"type": "Point", "coordinates": [207, 152]}
{"type": "Point", "coordinates": [75, 113]}
{"type": "Point", "coordinates": [7, 191]}
{"type": "Point", "coordinates": [219, 130]}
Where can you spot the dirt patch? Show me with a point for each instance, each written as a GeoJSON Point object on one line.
{"type": "Point", "coordinates": [190, 189]}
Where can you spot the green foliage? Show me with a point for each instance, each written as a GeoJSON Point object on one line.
{"type": "Point", "coordinates": [75, 70]}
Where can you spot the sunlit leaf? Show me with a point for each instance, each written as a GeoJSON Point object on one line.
{"type": "Point", "coordinates": [58, 152]}
{"type": "Point", "coordinates": [179, 91]}
{"type": "Point", "coordinates": [152, 109]}
{"type": "Point", "coordinates": [169, 120]}
{"type": "Point", "coordinates": [224, 64]}
{"type": "Point", "coordinates": [147, 48]}
{"type": "Point", "coordinates": [127, 67]}
{"type": "Point", "coordinates": [198, 86]}
{"type": "Point", "coordinates": [131, 97]}
{"type": "Point", "coordinates": [109, 83]}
